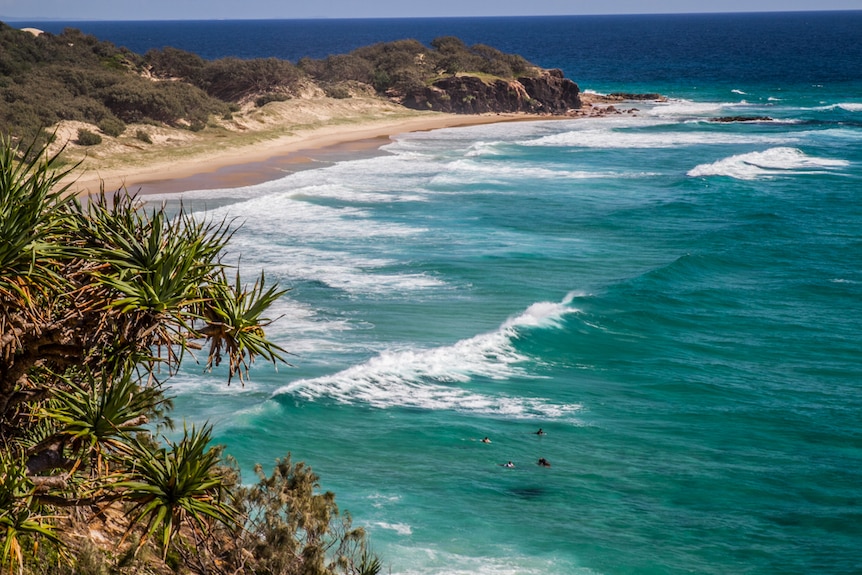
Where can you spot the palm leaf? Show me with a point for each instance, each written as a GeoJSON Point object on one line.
{"type": "Point", "coordinates": [235, 322]}
{"type": "Point", "coordinates": [20, 515]}
{"type": "Point", "coordinates": [176, 486]}
{"type": "Point", "coordinates": [99, 417]}
{"type": "Point", "coordinates": [33, 208]}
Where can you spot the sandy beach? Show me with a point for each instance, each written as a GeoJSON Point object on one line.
{"type": "Point", "coordinates": [256, 145]}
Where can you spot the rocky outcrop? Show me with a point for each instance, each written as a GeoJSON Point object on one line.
{"type": "Point", "coordinates": [554, 93]}
{"type": "Point", "coordinates": [628, 96]}
{"type": "Point", "coordinates": [547, 93]}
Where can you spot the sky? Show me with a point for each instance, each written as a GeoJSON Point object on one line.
{"type": "Point", "coordinates": [289, 9]}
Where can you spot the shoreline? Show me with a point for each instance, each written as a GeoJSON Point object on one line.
{"type": "Point", "coordinates": [226, 164]}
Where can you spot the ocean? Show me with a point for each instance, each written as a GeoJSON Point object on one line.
{"type": "Point", "coordinates": [676, 302]}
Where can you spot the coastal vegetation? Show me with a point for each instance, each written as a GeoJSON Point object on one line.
{"type": "Point", "coordinates": [49, 78]}
{"type": "Point", "coordinates": [100, 303]}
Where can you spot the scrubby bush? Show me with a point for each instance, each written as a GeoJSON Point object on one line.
{"type": "Point", "coordinates": [265, 99]}
{"type": "Point", "coordinates": [111, 126]}
{"type": "Point", "coordinates": [337, 91]}
{"type": "Point", "coordinates": [400, 65]}
{"type": "Point", "coordinates": [196, 126]}
{"type": "Point", "coordinates": [88, 138]}
{"type": "Point", "coordinates": [232, 79]}
{"type": "Point", "coordinates": [135, 100]}
{"type": "Point", "coordinates": [174, 63]}
{"type": "Point", "coordinates": [407, 66]}
{"type": "Point", "coordinates": [344, 67]}
{"type": "Point", "coordinates": [143, 136]}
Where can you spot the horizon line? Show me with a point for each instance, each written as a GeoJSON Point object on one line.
{"type": "Point", "coordinates": [240, 19]}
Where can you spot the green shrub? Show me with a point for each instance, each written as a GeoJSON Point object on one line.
{"type": "Point", "coordinates": [265, 99]}
{"type": "Point", "coordinates": [111, 126]}
{"type": "Point", "coordinates": [232, 79]}
{"type": "Point", "coordinates": [173, 63]}
{"type": "Point", "coordinates": [143, 136]}
{"type": "Point", "coordinates": [337, 91]}
{"type": "Point", "coordinates": [88, 138]}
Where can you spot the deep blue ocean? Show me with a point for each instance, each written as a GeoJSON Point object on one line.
{"type": "Point", "coordinates": [676, 302]}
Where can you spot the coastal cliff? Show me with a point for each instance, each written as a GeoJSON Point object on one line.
{"type": "Point", "coordinates": [549, 92]}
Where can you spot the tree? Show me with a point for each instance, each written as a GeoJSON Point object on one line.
{"type": "Point", "coordinates": [98, 304]}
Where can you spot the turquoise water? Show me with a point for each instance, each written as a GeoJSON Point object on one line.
{"type": "Point", "coordinates": [675, 301]}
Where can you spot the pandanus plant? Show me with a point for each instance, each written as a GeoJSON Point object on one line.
{"type": "Point", "coordinates": [174, 487]}
{"type": "Point", "coordinates": [98, 418]}
{"type": "Point", "coordinates": [21, 516]}
{"type": "Point", "coordinates": [234, 317]}
{"type": "Point", "coordinates": [94, 297]}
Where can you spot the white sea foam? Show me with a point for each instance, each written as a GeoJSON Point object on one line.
{"type": "Point", "coordinates": [379, 500]}
{"type": "Point", "coordinates": [620, 138]}
{"type": "Point", "coordinates": [740, 92]}
{"type": "Point", "coordinates": [458, 142]}
{"type": "Point", "coordinates": [194, 381]}
{"type": "Point", "coordinates": [851, 106]}
{"type": "Point", "coordinates": [287, 230]}
{"type": "Point", "coordinates": [429, 378]}
{"type": "Point", "coordinates": [483, 149]}
{"type": "Point", "coordinates": [461, 171]}
{"type": "Point", "coordinates": [400, 528]}
{"type": "Point", "coordinates": [675, 107]}
{"type": "Point", "coordinates": [769, 163]}
{"type": "Point", "coordinates": [341, 270]}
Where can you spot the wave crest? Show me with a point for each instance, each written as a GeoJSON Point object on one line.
{"type": "Point", "coordinates": [769, 163]}
{"type": "Point", "coordinates": [424, 378]}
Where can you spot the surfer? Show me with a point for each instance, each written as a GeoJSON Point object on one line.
{"type": "Point", "coordinates": [540, 432]}
{"type": "Point", "coordinates": [486, 440]}
{"type": "Point", "coordinates": [510, 464]}
{"type": "Point", "coordinates": [544, 462]}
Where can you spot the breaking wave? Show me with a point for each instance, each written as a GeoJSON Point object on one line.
{"type": "Point", "coordinates": [769, 163]}
{"type": "Point", "coordinates": [430, 378]}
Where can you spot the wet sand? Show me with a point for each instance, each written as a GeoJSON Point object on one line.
{"type": "Point", "coordinates": [252, 173]}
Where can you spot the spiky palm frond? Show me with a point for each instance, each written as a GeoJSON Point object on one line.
{"type": "Point", "coordinates": [152, 269]}
{"type": "Point", "coordinates": [32, 206]}
{"type": "Point", "coordinates": [157, 263]}
{"type": "Point", "coordinates": [235, 321]}
{"type": "Point", "coordinates": [98, 417]}
{"type": "Point", "coordinates": [20, 515]}
{"type": "Point", "coordinates": [175, 487]}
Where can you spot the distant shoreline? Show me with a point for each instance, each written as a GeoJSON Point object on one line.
{"type": "Point", "coordinates": [185, 161]}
